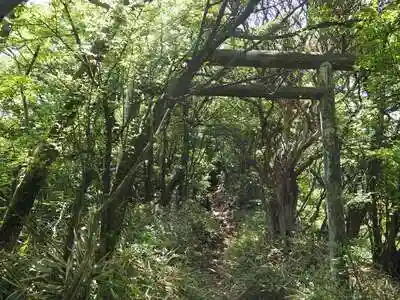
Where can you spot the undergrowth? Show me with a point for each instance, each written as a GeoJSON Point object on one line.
{"type": "Point", "coordinates": [169, 255]}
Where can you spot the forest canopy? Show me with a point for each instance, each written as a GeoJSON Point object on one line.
{"type": "Point", "coordinates": [199, 149]}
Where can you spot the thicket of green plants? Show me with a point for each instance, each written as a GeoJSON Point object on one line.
{"type": "Point", "coordinates": [127, 171]}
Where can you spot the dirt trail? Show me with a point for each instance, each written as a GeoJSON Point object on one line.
{"type": "Point", "coordinates": [222, 211]}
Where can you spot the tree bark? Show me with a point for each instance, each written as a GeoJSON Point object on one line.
{"type": "Point", "coordinates": [333, 182]}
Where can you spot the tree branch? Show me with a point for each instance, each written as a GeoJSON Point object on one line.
{"type": "Point", "coordinates": [7, 6]}
{"type": "Point", "coordinates": [100, 4]}
{"type": "Point", "coordinates": [269, 37]}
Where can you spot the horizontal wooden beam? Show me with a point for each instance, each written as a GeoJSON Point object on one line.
{"type": "Point", "coordinates": [290, 60]}
{"type": "Point", "coordinates": [261, 91]}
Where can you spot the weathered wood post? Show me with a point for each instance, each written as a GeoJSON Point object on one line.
{"type": "Point", "coordinates": [333, 180]}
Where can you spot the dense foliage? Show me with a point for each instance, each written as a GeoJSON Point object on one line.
{"type": "Point", "coordinates": [136, 165]}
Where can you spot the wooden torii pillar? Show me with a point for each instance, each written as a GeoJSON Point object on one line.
{"type": "Point", "coordinates": [326, 64]}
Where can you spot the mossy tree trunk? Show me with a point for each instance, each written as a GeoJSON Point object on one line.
{"type": "Point", "coordinates": [25, 195]}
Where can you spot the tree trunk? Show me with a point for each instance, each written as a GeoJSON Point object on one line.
{"type": "Point", "coordinates": [86, 179]}
{"type": "Point", "coordinates": [35, 174]}
{"type": "Point", "coordinates": [272, 210]}
{"type": "Point", "coordinates": [109, 122]}
{"type": "Point", "coordinates": [163, 175]}
{"type": "Point", "coordinates": [149, 175]}
{"type": "Point", "coordinates": [281, 209]}
{"type": "Point", "coordinates": [333, 182]}
{"type": "Point", "coordinates": [373, 178]}
{"type": "Point", "coordinates": [25, 194]}
{"type": "Point", "coordinates": [287, 196]}
{"type": "Point", "coordinates": [176, 180]}
{"type": "Point", "coordinates": [393, 266]}
{"type": "Point", "coordinates": [149, 165]}
{"type": "Point", "coordinates": [354, 219]}
{"type": "Point", "coordinates": [183, 188]}
{"type": "Point", "coordinates": [76, 210]}
{"type": "Point", "coordinates": [108, 126]}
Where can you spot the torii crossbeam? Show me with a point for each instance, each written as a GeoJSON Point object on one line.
{"type": "Point", "coordinates": [268, 59]}
{"type": "Point", "coordinates": [287, 60]}
{"type": "Point", "coordinates": [261, 91]}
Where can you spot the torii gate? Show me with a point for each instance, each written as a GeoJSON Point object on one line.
{"type": "Point", "coordinates": [326, 64]}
